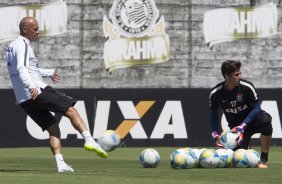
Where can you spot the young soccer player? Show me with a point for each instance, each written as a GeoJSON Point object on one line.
{"type": "Point", "coordinates": [240, 104]}
{"type": "Point", "coordinates": [37, 98]}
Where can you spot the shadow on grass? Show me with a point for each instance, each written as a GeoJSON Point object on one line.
{"type": "Point", "coordinates": [24, 170]}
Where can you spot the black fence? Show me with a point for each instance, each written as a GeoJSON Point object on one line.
{"type": "Point", "coordinates": [143, 117]}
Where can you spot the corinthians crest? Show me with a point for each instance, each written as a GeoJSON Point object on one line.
{"type": "Point", "coordinates": [136, 35]}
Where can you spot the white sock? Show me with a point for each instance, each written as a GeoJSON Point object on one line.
{"type": "Point", "coordinates": [60, 160]}
{"type": "Point", "coordinates": [87, 137]}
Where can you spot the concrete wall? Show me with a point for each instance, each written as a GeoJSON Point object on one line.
{"type": "Point", "coordinates": [79, 52]}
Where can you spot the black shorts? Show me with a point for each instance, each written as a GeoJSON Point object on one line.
{"type": "Point", "coordinates": [48, 100]}
{"type": "Point", "coordinates": [260, 124]}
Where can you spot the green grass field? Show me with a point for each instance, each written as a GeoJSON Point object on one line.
{"type": "Point", "coordinates": [37, 166]}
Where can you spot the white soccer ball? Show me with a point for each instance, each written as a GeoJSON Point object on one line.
{"type": "Point", "coordinates": [224, 158]}
{"type": "Point", "coordinates": [186, 149]}
{"type": "Point", "coordinates": [230, 154]}
{"type": "Point", "coordinates": [209, 158]}
{"type": "Point", "coordinates": [203, 149]}
{"type": "Point", "coordinates": [253, 157]}
{"type": "Point", "coordinates": [182, 158]}
{"type": "Point", "coordinates": [197, 153]}
{"type": "Point", "coordinates": [228, 139]}
{"type": "Point", "coordinates": [240, 158]}
{"type": "Point", "coordinates": [149, 158]}
{"type": "Point", "coordinates": [191, 159]}
{"type": "Point", "coordinates": [109, 140]}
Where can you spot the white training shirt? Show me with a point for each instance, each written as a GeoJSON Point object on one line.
{"type": "Point", "coordinates": [24, 70]}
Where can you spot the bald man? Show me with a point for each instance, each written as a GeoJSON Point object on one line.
{"type": "Point", "coordinates": [37, 98]}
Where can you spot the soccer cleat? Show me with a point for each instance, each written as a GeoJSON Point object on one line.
{"type": "Point", "coordinates": [96, 148]}
{"type": "Point", "coordinates": [263, 165]}
{"type": "Point", "coordinates": [65, 168]}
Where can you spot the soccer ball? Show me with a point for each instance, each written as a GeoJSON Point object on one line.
{"type": "Point", "coordinates": [228, 139]}
{"type": "Point", "coordinates": [186, 149]}
{"type": "Point", "coordinates": [230, 152]}
{"type": "Point", "coordinates": [192, 159]}
{"type": "Point", "coordinates": [182, 159]}
{"type": "Point", "coordinates": [240, 158]}
{"type": "Point", "coordinates": [109, 140]}
{"type": "Point", "coordinates": [230, 155]}
{"type": "Point", "coordinates": [149, 158]}
{"type": "Point", "coordinates": [209, 158]}
{"type": "Point", "coordinates": [224, 158]}
{"type": "Point", "coordinates": [253, 157]}
{"type": "Point", "coordinates": [197, 153]}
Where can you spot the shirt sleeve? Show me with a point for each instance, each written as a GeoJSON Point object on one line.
{"type": "Point", "coordinates": [214, 120]}
{"type": "Point", "coordinates": [256, 109]}
{"type": "Point", "coordinates": [46, 72]}
{"type": "Point", "coordinates": [252, 96]}
{"type": "Point", "coordinates": [254, 102]}
{"type": "Point", "coordinates": [213, 103]}
{"type": "Point", "coordinates": [22, 61]}
{"type": "Point", "coordinates": [214, 106]}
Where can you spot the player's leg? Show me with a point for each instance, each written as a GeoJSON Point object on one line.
{"type": "Point", "coordinates": [55, 140]}
{"type": "Point", "coordinates": [56, 101]}
{"type": "Point", "coordinates": [47, 121]}
{"type": "Point", "coordinates": [265, 146]}
{"type": "Point", "coordinates": [78, 124]}
{"type": "Point", "coordinates": [76, 120]}
{"type": "Point", "coordinates": [55, 145]}
{"type": "Point", "coordinates": [264, 126]}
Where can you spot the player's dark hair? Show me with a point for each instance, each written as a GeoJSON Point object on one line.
{"type": "Point", "coordinates": [230, 66]}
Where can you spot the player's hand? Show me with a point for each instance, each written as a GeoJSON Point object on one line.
{"type": "Point", "coordinates": [34, 93]}
{"type": "Point", "coordinates": [240, 130]}
{"type": "Point", "coordinates": [56, 77]}
{"type": "Point", "coordinates": [216, 138]}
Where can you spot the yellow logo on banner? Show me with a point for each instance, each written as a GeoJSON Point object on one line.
{"type": "Point", "coordinates": [142, 107]}
{"type": "Point", "coordinates": [135, 36]}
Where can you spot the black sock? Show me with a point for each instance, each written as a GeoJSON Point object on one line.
{"type": "Point", "coordinates": [264, 157]}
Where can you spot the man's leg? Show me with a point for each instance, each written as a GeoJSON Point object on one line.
{"type": "Point", "coordinates": [55, 145]}
{"type": "Point", "coordinates": [46, 121]}
{"type": "Point", "coordinates": [265, 138]}
{"type": "Point", "coordinates": [55, 141]}
{"type": "Point", "coordinates": [76, 120]}
{"type": "Point", "coordinates": [265, 145]}
{"type": "Point", "coordinates": [79, 125]}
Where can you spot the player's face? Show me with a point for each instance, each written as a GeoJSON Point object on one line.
{"type": "Point", "coordinates": [234, 78]}
{"type": "Point", "coordinates": [32, 31]}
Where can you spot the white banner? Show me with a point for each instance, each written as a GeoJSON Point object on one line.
{"type": "Point", "coordinates": [228, 24]}
{"type": "Point", "coordinates": [52, 19]}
